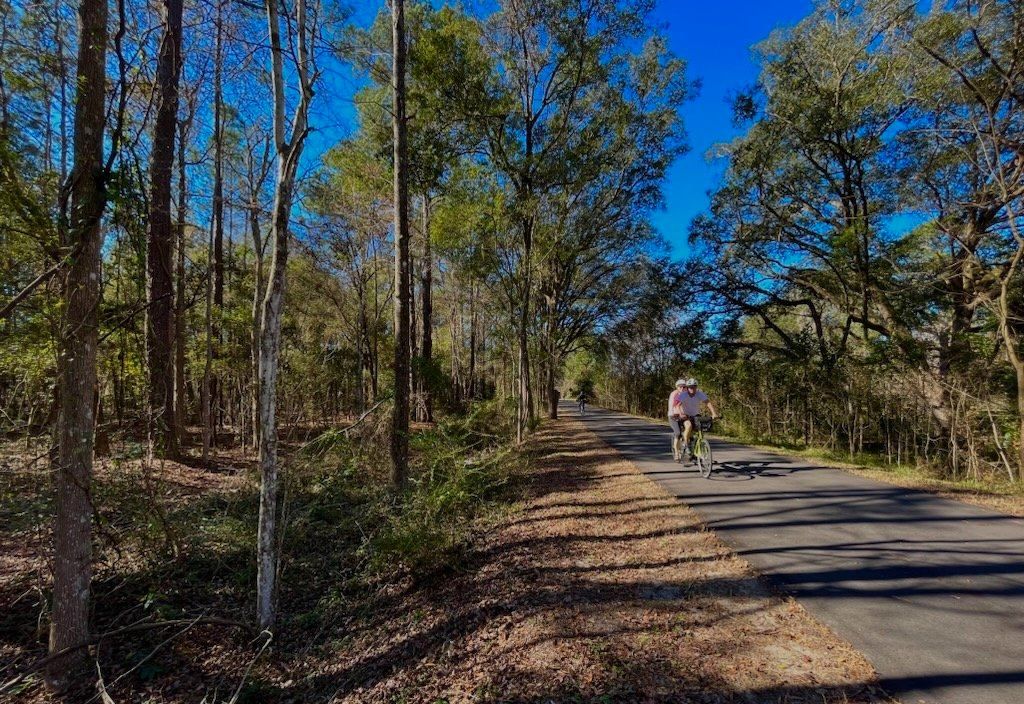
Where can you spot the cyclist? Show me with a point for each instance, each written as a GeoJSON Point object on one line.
{"type": "Point", "coordinates": [689, 402]}
{"type": "Point", "coordinates": [581, 401]}
{"type": "Point", "coordinates": [675, 417]}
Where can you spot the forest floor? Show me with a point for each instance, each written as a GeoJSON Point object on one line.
{"type": "Point", "coordinates": [596, 586]}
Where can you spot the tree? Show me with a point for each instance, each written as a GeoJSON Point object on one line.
{"type": "Point", "coordinates": [965, 165]}
{"type": "Point", "coordinates": [554, 62]}
{"type": "Point", "coordinates": [403, 279]}
{"type": "Point", "coordinates": [81, 237]}
{"type": "Point", "coordinates": [288, 146]}
{"type": "Point", "coordinates": [160, 252]}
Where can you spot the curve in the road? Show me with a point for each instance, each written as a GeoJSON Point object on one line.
{"type": "Point", "coordinates": [930, 590]}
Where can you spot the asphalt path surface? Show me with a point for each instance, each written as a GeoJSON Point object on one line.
{"type": "Point", "coordinates": [930, 590]}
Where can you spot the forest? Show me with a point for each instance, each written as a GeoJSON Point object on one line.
{"type": "Point", "coordinates": [856, 282]}
{"type": "Point", "coordinates": [287, 287]}
{"type": "Point", "coordinates": [245, 316]}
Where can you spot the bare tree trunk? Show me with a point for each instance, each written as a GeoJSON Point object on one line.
{"type": "Point", "coordinates": [426, 294]}
{"type": "Point", "coordinates": [213, 419]}
{"type": "Point", "coordinates": [551, 367]}
{"type": "Point", "coordinates": [257, 173]}
{"type": "Point", "coordinates": [257, 297]}
{"type": "Point", "coordinates": [525, 399]}
{"type": "Point", "coordinates": [400, 415]}
{"type": "Point", "coordinates": [1011, 343]}
{"type": "Point", "coordinates": [79, 337]}
{"type": "Point", "coordinates": [205, 390]}
{"type": "Point", "coordinates": [472, 383]}
{"type": "Point", "coordinates": [288, 152]}
{"type": "Point", "coordinates": [179, 302]}
{"type": "Point", "coordinates": [413, 335]}
{"type": "Point", "coordinates": [160, 250]}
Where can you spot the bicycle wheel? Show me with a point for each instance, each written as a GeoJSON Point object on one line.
{"type": "Point", "coordinates": [704, 459]}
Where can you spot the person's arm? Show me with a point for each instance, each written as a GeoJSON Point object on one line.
{"type": "Point", "coordinates": [711, 407]}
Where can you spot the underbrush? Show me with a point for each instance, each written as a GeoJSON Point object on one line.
{"type": "Point", "coordinates": [461, 470]}
{"type": "Point", "coordinates": [465, 465]}
{"type": "Point", "coordinates": [178, 542]}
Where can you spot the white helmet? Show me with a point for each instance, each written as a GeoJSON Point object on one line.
{"type": "Point", "coordinates": [691, 381]}
{"type": "Point", "coordinates": [680, 382]}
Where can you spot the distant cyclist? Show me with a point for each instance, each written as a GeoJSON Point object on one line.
{"type": "Point", "coordinates": [581, 401]}
{"type": "Point", "coordinates": [688, 406]}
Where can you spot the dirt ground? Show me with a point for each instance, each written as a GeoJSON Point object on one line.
{"type": "Point", "coordinates": [601, 588]}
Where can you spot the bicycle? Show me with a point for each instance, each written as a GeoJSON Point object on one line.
{"type": "Point", "coordinates": [582, 406]}
{"type": "Point", "coordinates": [699, 448]}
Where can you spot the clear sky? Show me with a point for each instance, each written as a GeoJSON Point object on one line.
{"type": "Point", "coordinates": [716, 39]}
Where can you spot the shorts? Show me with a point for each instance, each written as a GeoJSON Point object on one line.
{"type": "Point", "coordinates": [677, 424]}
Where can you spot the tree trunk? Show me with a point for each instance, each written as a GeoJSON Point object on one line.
{"type": "Point", "coordinates": [471, 382]}
{"type": "Point", "coordinates": [257, 298]}
{"type": "Point", "coordinates": [79, 337]}
{"type": "Point", "coordinates": [400, 415]}
{"type": "Point", "coordinates": [206, 389]}
{"type": "Point", "coordinates": [179, 301]}
{"type": "Point", "coordinates": [213, 420]}
{"type": "Point", "coordinates": [270, 344]}
{"type": "Point", "coordinates": [426, 284]}
{"type": "Point", "coordinates": [525, 399]}
{"type": "Point", "coordinates": [551, 369]}
{"type": "Point", "coordinates": [1010, 341]}
{"type": "Point", "coordinates": [413, 336]}
{"type": "Point", "coordinates": [288, 152]}
{"type": "Point", "coordinates": [160, 251]}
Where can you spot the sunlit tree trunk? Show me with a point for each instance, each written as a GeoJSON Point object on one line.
{"type": "Point", "coordinates": [288, 150]}
{"type": "Point", "coordinates": [180, 401]}
{"type": "Point", "coordinates": [212, 420]}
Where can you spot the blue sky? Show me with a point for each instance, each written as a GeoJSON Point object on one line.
{"type": "Point", "coordinates": [716, 39]}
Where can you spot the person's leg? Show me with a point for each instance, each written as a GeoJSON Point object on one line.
{"type": "Point", "coordinates": [676, 438]}
{"type": "Point", "coordinates": [687, 428]}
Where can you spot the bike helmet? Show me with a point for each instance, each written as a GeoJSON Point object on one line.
{"type": "Point", "coordinates": [691, 381]}
{"type": "Point", "coordinates": [680, 382]}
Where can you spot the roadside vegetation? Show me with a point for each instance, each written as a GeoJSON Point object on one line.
{"type": "Point", "coordinates": [174, 559]}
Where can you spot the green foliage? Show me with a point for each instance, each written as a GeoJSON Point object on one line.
{"type": "Point", "coordinates": [463, 466]}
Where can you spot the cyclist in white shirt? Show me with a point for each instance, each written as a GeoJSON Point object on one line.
{"type": "Point", "coordinates": [688, 402]}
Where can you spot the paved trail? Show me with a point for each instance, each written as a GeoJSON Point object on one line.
{"type": "Point", "coordinates": [930, 590]}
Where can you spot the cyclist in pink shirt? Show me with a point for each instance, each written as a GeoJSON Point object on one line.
{"type": "Point", "coordinates": [675, 418]}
